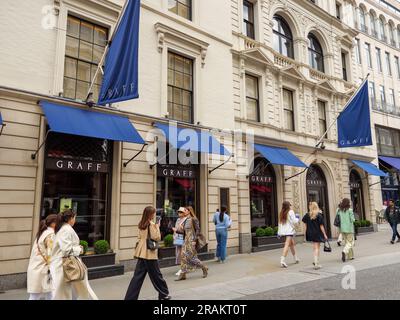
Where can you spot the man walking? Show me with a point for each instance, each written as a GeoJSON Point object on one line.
{"type": "Point", "coordinates": [392, 214]}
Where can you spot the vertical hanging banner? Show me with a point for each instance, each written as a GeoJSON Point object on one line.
{"type": "Point", "coordinates": [354, 123]}
{"type": "Point", "coordinates": [120, 81]}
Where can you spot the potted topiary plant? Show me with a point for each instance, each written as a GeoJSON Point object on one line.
{"type": "Point", "coordinates": [85, 246]}
{"type": "Point", "coordinates": [269, 232]}
{"type": "Point", "coordinates": [168, 240]}
{"type": "Point", "coordinates": [276, 231]}
{"type": "Point", "coordinates": [101, 247]}
{"type": "Point", "coordinates": [260, 232]}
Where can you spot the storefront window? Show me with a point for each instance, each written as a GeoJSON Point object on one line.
{"type": "Point", "coordinates": [78, 177]}
{"type": "Point", "coordinates": [357, 195]}
{"type": "Point", "coordinates": [263, 195]}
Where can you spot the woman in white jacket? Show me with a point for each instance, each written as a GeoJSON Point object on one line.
{"type": "Point", "coordinates": [286, 228]}
{"type": "Point", "coordinates": [66, 243]}
{"type": "Point", "coordinates": [38, 275]}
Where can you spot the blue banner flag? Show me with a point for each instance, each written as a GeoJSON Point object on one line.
{"type": "Point", "coordinates": [354, 123]}
{"type": "Point", "coordinates": [120, 81]}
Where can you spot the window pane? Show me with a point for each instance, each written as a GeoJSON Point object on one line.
{"type": "Point", "coordinates": [72, 46]}
{"type": "Point", "coordinates": [170, 109]}
{"type": "Point", "coordinates": [82, 90]}
{"type": "Point", "coordinates": [186, 116]}
{"type": "Point", "coordinates": [172, 6]}
{"type": "Point", "coordinates": [86, 32]}
{"type": "Point", "coordinates": [188, 66]}
{"type": "Point", "coordinates": [289, 120]}
{"type": "Point", "coordinates": [85, 51]}
{"type": "Point", "coordinates": [187, 98]}
{"type": "Point", "coordinates": [177, 111]}
{"type": "Point", "coordinates": [170, 94]}
{"type": "Point", "coordinates": [251, 87]}
{"type": "Point", "coordinates": [187, 82]}
{"type": "Point", "coordinates": [178, 63]}
{"type": "Point", "coordinates": [177, 97]}
{"type": "Point", "coordinates": [73, 27]}
{"type": "Point", "coordinates": [322, 127]}
{"type": "Point", "coordinates": [97, 53]}
{"type": "Point", "coordinates": [83, 71]}
{"type": "Point", "coordinates": [183, 11]}
{"type": "Point", "coordinates": [70, 68]}
{"type": "Point", "coordinates": [321, 110]}
{"type": "Point", "coordinates": [99, 77]}
{"type": "Point", "coordinates": [171, 61]}
{"type": "Point", "coordinates": [251, 107]}
{"type": "Point", "coordinates": [69, 88]}
{"type": "Point", "coordinates": [96, 91]}
{"type": "Point", "coordinates": [179, 79]}
{"type": "Point", "coordinates": [171, 77]}
{"type": "Point", "coordinates": [100, 36]}
{"type": "Point", "coordinates": [287, 99]}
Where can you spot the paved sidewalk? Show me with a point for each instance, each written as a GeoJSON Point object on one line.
{"type": "Point", "coordinates": [247, 274]}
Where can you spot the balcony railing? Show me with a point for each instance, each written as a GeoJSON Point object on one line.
{"type": "Point", "coordinates": [317, 75]}
{"type": "Point", "coordinates": [385, 107]}
{"type": "Point", "coordinates": [283, 61]}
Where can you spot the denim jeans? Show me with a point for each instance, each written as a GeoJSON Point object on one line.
{"type": "Point", "coordinates": [222, 237]}
{"type": "Point", "coordinates": [395, 232]}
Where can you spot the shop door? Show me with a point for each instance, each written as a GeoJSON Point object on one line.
{"type": "Point", "coordinates": [317, 192]}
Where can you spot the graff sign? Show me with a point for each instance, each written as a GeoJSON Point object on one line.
{"type": "Point", "coordinates": [76, 165]}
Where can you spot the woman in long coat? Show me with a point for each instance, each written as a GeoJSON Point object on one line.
{"type": "Point", "coordinates": [38, 275]}
{"type": "Point", "coordinates": [66, 243]}
{"type": "Point", "coordinates": [189, 259]}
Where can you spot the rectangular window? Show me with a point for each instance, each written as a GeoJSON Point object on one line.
{"type": "Point", "coordinates": [182, 8]}
{"type": "Point", "coordinates": [396, 62]}
{"type": "Point", "coordinates": [344, 66]}
{"type": "Point", "coordinates": [288, 109]}
{"type": "Point", "coordinates": [388, 65]}
{"type": "Point", "coordinates": [252, 98]}
{"type": "Point", "coordinates": [180, 88]}
{"type": "Point", "coordinates": [378, 59]}
{"type": "Point", "coordinates": [368, 54]}
{"type": "Point", "coordinates": [248, 19]}
{"type": "Point", "coordinates": [382, 96]}
{"type": "Point", "coordinates": [338, 11]}
{"type": "Point", "coordinates": [391, 103]}
{"type": "Point", "coordinates": [224, 199]}
{"type": "Point", "coordinates": [358, 51]}
{"type": "Point", "coordinates": [372, 94]}
{"type": "Point", "coordinates": [322, 117]}
{"type": "Point", "coordinates": [85, 45]}
{"type": "Point", "coordinates": [388, 141]}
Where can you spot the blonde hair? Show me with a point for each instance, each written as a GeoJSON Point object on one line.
{"type": "Point", "coordinates": [191, 212]}
{"type": "Point", "coordinates": [313, 210]}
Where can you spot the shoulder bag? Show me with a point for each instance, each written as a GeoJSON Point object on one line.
{"type": "Point", "coordinates": [150, 243]}
{"type": "Point", "coordinates": [201, 241]}
{"type": "Point", "coordinates": [336, 223]}
{"type": "Point", "coordinates": [74, 269]}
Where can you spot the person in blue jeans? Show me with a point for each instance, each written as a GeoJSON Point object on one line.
{"type": "Point", "coordinates": [222, 222]}
{"type": "Point", "coordinates": [392, 216]}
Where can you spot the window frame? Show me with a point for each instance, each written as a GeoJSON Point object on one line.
{"type": "Point", "coordinates": [178, 3]}
{"type": "Point", "coordinates": [313, 54]}
{"type": "Point", "coordinates": [250, 7]}
{"type": "Point", "coordinates": [378, 54]}
{"type": "Point", "coordinates": [182, 89]}
{"type": "Point", "coordinates": [345, 74]}
{"type": "Point", "coordinates": [283, 37]}
{"type": "Point", "coordinates": [322, 120]}
{"type": "Point", "coordinates": [358, 51]}
{"type": "Point", "coordinates": [397, 64]}
{"type": "Point", "coordinates": [257, 99]}
{"type": "Point", "coordinates": [286, 111]}
{"type": "Point", "coordinates": [367, 47]}
{"type": "Point", "coordinates": [388, 64]}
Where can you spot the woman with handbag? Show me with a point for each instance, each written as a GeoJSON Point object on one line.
{"type": "Point", "coordinates": [193, 241]}
{"type": "Point", "coordinates": [68, 271]}
{"type": "Point", "coordinates": [346, 218]}
{"type": "Point", "coordinates": [178, 239]}
{"type": "Point", "coordinates": [39, 282]}
{"type": "Point", "coordinates": [147, 258]}
{"type": "Point", "coordinates": [315, 230]}
{"type": "Point", "coordinates": [286, 228]}
{"type": "Point", "coordinates": [222, 222]}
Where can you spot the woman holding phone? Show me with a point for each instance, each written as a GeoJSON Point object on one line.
{"type": "Point", "coordinates": [147, 258]}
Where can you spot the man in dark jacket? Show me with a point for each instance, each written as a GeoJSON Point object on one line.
{"type": "Point", "coordinates": [392, 216]}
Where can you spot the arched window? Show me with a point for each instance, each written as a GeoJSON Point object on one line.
{"type": "Point", "coordinates": [382, 32]}
{"type": "Point", "coordinates": [315, 53]}
{"type": "Point", "coordinates": [391, 35]}
{"type": "Point", "coordinates": [363, 25]}
{"type": "Point", "coordinates": [283, 38]}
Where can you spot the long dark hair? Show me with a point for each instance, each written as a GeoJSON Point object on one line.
{"type": "Point", "coordinates": [344, 205]}
{"type": "Point", "coordinates": [221, 214]}
{"type": "Point", "coordinates": [45, 223]}
{"type": "Point", "coordinates": [63, 218]}
{"type": "Point", "coordinates": [284, 212]}
{"type": "Point", "coordinates": [148, 213]}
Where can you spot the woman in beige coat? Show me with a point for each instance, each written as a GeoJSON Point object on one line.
{"type": "Point", "coordinates": [66, 243]}
{"type": "Point", "coordinates": [147, 259]}
{"type": "Point", "coordinates": [38, 275]}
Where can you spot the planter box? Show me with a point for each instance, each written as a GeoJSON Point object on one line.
{"type": "Point", "coordinates": [99, 260]}
{"type": "Point", "coordinates": [361, 230]}
{"type": "Point", "coordinates": [262, 241]}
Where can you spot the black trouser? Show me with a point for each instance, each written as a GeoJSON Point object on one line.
{"type": "Point", "coordinates": [143, 267]}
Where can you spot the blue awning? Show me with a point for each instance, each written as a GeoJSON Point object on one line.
{"type": "Point", "coordinates": [192, 139]}
{"type": "Point", "coordinates": [281, 156]}
{"type": "Point", "coordinates": [369, 168]}
{"type": "Point", "coordinates": [90, 123]}
{"type": "Point", "coordinates": [394, 162]}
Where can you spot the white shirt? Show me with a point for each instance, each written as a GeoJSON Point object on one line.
{"type": "Point", "coordinates": [288, 228]}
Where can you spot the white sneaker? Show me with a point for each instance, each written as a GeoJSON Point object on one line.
{"type": "Point", "coordinates": [178, 273]}
{"type": "Point", "coordinates": [296, 259]}
{"type": "Point", "coordinates": [283, 263]}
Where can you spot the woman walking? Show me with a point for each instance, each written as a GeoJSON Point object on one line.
{"type": "Point", "coordinates": [347, 228]}
{"type": "Point", "coordinates": [190, 261]}
{"type": "Point", "coordinates": [178, 239]}
{"type": "Point", "coordinates": [286, 228]}
{"type": "Point", "coordinates": [314, 230]}
{"type": "Point", "coordinates": [147, 258]}
{"type": "Point", "coordinates": [39, 283]}
{"type": "Point", "coordinates": [222, 222]}
{"type": "Point", "coordinates": [66, 243]}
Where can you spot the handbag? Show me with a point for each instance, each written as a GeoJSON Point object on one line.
{"type": "Point", "coordinates": [179, 240]}
{"type": "Point", "coordinates": [47, 282]}
{"type": "Point", "coordinates": [336, 223]}
{"type": "Point", "coordinates": [201, 241]}
{"type": "Point", "coordinates": [74, 269]}
{"type": "Point", "coordinates": [327, 246]}
{"type": "Point", "coordinates": [150, 243]}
